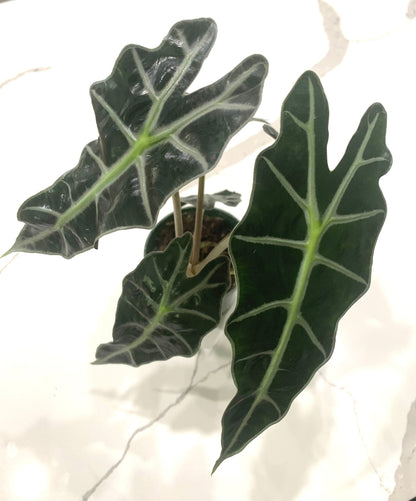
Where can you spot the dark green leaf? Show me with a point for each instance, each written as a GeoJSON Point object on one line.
{"type": "Point", "coordinates": [230, 198]}
{"type": "Point", "coordinates": [302, 255]}
{"type": "Point", "coordinates": [154, 138]}
{"type": "Point", "coordinates": [162, 313]}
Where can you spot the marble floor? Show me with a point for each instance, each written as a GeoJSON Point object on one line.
{"type": "Point", "coordinates": [66, 424]}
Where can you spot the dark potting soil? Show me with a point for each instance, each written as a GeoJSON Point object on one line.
{"type": "Point", "coordinates": [214, 229]}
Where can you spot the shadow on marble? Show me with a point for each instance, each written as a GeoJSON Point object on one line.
{"type": "Point", "coordinates": [72, 468]}
{"type": "Point", "coordinates": [152, 390]}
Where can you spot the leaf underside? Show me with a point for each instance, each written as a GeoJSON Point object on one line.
{"type": "Point", "coordinates": [302, 255]}
{"type": "Point", "coordinates": [153, 139]}
{"type": "Point", "coordinates": [161, 312]}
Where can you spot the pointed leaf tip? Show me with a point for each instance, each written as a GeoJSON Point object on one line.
{"type": "Point", "coordinates": [216, 465]}
{"type": "Point", "coordinates": [6, 253]}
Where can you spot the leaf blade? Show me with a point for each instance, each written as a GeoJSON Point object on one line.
{"type": "Point", "coordinates": [154, 139]}
{"type": "Point", "coordinates": [337, 216]}
{"type": "Point", "coordinates": [161, 312]}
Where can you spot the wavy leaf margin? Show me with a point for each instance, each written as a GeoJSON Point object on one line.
{"type": "Point", "coordinates": [154, 139]}
{"type": "Point", "coordinates": [163, 313]}
{"type": "Point", "coordinates": [302, 256]}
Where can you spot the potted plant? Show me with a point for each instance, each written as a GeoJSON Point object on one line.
{"type": "Point", "coordinates": [301, 254]}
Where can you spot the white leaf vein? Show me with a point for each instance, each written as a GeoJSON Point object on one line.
{"type": "Point", "coordinates": [266, 240]}
{"type": "Point", "coordinates": [189, 150]}
{"type": "Point", "coordinates": [262, 309]}
{"type": "Point", "coordinates": [312, 336]}
{"type": "Point", "coordinates": [352, 218]}
{"type": "Point", "coordinates": [147, 84]}
{"type": "Point", "coordinates": [300, 202]}
{"type": "Point", "coordinates": [329, 263]}
{"type": "Point", "coordinates": [127, 133]}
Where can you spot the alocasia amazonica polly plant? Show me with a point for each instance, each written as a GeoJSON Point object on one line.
{"type": "Point", "coordinates": [301, 255]}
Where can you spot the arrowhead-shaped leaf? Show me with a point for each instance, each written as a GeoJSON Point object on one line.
{"type": "Point", "coordinates": [302, 255]}
{"type": "Point", "coordinates": [163, 313]}
{"type": "Point", "coordinates": [154, 138]}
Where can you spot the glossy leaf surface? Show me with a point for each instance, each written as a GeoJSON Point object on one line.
{"type": "Point", "coordinates": [226, 197]}
{"type": "Point", "coordinates": [162, 313]}
{"type": "Point", "coordinates": [302, 255]}
{"type": "Point", "coordinates": [153, 139]}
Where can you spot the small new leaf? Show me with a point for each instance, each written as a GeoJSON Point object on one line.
{"type": "Point", "coordinates": [162, 313]}
{"type": "Point", "coordinates": [226, 197]}
{"type": "Point", "coordinates": [302, 255]}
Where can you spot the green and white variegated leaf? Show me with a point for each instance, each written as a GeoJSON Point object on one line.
{"type": "Point", "coordinates": [153, 139]}
{"type": "Point", "coordinates": [163, 313]}
{"type": "Point", "coordinates": [302, 255]}
{"type": "Point", "coordinates": [226, 197]}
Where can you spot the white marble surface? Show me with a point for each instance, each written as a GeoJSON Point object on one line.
{"type": "Point", "coordinates": [63, 422]}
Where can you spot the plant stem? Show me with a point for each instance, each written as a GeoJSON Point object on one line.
{"type": "Point", "coordinates": [199, 214]}
{"type": "Point", "coordinates": [177, 214]}
{"type": "Point", "coordinates": [216, 251]}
